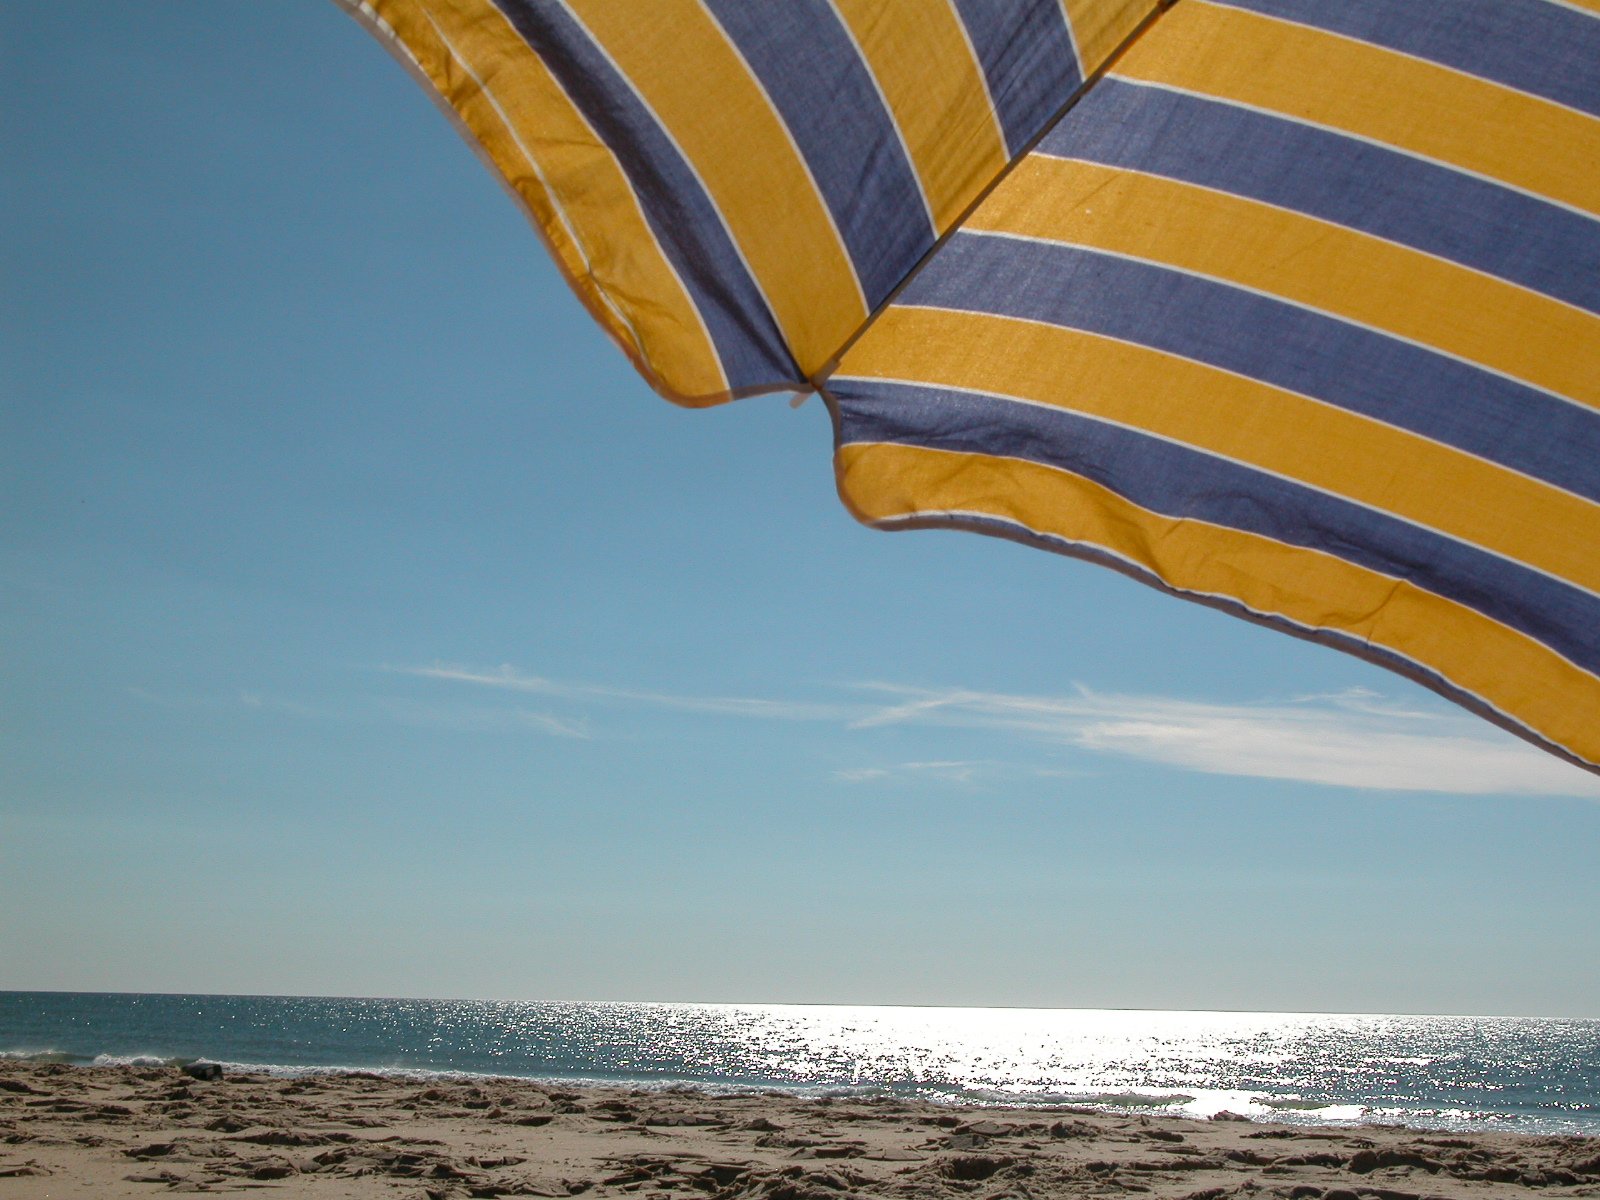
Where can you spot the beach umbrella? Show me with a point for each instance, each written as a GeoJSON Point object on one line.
{"type": "Point", "coordinates": [1290, 307]}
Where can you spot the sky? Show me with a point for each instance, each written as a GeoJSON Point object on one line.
{"type": "Point", "coordinates": [368, 627]}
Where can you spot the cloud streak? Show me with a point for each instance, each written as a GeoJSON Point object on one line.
{"type": "Point", "coordinates": [1353, 739]}
{"type": "Point", "coordinates": [952, 771]}
{"type": "Point", "coordinates": [510, 679]}
{"type": "Point", "coordinates": [369, 710]}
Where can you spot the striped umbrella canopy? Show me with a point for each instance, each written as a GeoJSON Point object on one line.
{"type": "Point", "coordinates": [1291, 307]}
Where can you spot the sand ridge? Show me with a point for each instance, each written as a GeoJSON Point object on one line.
{"type": "Point", "coordinates": [131, 1131]}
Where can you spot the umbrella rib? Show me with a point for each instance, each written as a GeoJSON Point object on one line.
{"type": "Point", "coordinates": [819, 377]}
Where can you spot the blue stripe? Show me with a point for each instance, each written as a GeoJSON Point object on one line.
{"type": "Point", "coordinates": [1181, 482]}
{"type": "Point", "coordinates": [1355, 184]}
{"type": "Point", "coordinates": [1364, 372]}
{"type": "Point", "coordinates": [806, 61]}
{"type": "Point", "coordinates": [687, 224]}
{"type": "Point", "coordinates": [1025, 50]}
{"type": "Point", "coordinates": [1530, 45]}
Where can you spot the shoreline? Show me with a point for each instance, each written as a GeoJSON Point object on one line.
{"type": "Point", "coordinates": [1195, 1104]}
{"type": "Point", "coordinates": [124, 1131]}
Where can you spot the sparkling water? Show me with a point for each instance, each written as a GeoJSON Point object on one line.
{"type": "Point", "coordinates": [1535, 1076]}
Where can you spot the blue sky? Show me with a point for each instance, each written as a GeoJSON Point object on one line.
{"type": "Point", "coordinates": [370, 628]}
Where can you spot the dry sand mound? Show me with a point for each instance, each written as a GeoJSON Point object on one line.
{"type": "Point", "coordinates": [117, 1132]}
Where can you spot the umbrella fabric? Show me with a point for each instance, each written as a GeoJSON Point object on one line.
{"type": "Point", "coordinates": [1286, 306]}
{"type": "Point", "coordinates": [732, 188]}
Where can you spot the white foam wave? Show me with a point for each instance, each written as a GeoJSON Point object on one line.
{"type": "Point", "coordinates": [137, 1060]}
{"type": "Point", "coordinates": [36, 1056]}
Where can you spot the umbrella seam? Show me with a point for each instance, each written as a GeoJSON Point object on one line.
{"type": "Point", "coordinates": [820, 376]}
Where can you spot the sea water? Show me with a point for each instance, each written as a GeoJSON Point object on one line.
{"type": "Point", "coordinates": [1467, 1073]}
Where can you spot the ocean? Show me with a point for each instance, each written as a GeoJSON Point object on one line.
{"type": "Point", "coordinates": [1462, 1073]}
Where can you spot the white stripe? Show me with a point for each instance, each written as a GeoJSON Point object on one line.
{"type": "Point", "coordinates": [1405, 54]}
{"type": "Point", "coordinates": [1288, 303]}
{"type": "Point", "coordinates": [755, 280]}
{"type": "Point", "coordinates": [1580, 10]}
{"type": "Point", "coordinates": [1041, 152]}
{"type": "Point", "coordinates": [1072, 39]}
{"type": "Point", "coordinates": [794, 146]}
{"type": "Point", "coordinates": [363, 11]}
{"type": "Point", "coordinates": [560, 211]}
{"type": "Point", "coordinates": [527, 155]}
{"type": "Point", "coordinates": [983, 78]}
{"type": "Point", "coordinates": [644, 221]}
{"type": "Point", "coordinates": [1219, 456]}
{"type": "Point", "coordinates": [1359, 137]}
{"type": "Point", "coordinates": [905, 148]}
{"type": "Point", "coordinates": [1091, 550]}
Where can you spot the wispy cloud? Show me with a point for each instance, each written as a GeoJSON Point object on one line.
{"type": "Point", "coordinates": [511, 679]}
{"type": "Point", "coordinates": [862, 774]}
{"type": "Point", "coordinates": [1351, 739]}
{"type": "Point", "coordinates": [953, 771]}
{"type": "Point", "coordinates": [480, 718]}
{"type": "Point", "coordinates": [369, 710]}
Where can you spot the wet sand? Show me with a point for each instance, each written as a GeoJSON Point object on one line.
{"type": "Point", "coordinates": [127, 1131]}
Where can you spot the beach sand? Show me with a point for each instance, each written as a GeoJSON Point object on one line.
{"type": "Point", "coordinates": [128, 1131]}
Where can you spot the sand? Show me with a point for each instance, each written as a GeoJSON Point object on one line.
{"type": "Point", "coordinates": [119, 1131]}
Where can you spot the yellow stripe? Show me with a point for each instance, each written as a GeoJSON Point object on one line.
{"type": "Point", "coordinates": [1100, 26]}
{"type": "Point", "coordinates": [1416, 106]}
{"type": "Point", "coordinates": [1314, 590]}
{"type": "Point", "coordinates": [616, 267]}
{"type": "Point", "coordinates": [920, 58]}
{"type": "Point", "coordinates": [1309, 261]}
{"type": "Point", "coordinates": [699, 87]}
{"type": "Point", "coordinates": [1278, 431]}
